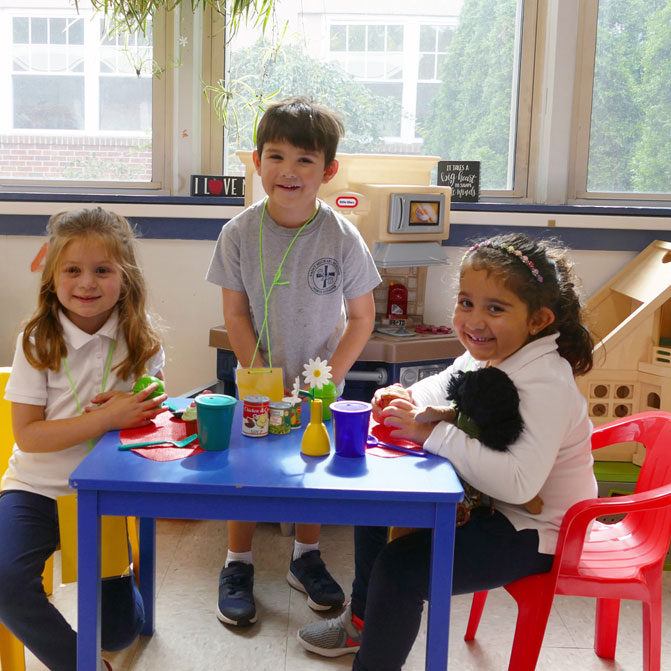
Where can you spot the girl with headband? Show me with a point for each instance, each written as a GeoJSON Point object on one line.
{"type": "Point", "coordinates": [517, 309]}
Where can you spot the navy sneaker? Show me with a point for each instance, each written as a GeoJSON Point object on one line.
{"type": "Point", "coordinates": [308, 574]}
{"type": "Point", "coordinates": [236, 594]}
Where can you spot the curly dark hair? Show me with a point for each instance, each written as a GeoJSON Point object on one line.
{"type": "Point", "coordinates": [557, 290]}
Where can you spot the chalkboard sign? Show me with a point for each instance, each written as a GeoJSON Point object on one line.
{"type": "Point", "coordinates": [463, 177]}
{"type": "Point", "coordinates": [217, 185]}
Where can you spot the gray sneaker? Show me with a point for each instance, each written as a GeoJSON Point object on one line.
{"type": "Point", "coordinates": [331, 638]}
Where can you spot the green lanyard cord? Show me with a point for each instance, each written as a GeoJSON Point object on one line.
{"type": "Point", "coordinates": [276, 279]}
{"type": "Point", "coordinates": [108, 363]}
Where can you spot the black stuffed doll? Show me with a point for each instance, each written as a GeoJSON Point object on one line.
{"type": "Point", "coordinates": [485, 405]}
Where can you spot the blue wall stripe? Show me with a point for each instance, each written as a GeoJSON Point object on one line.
{"type": "Point", "coordinates": [146, 227]}
{"type": "Point", "coordinates": [605, 239]}
{"type": "Point", "coordinates": [183, 228]}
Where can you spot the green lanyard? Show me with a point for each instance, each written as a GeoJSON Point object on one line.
{"type": "Point", "coordinates": [276, 279]}
{"type": "Point", "coordinates": [108, 363]}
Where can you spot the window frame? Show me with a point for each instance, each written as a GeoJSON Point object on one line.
{"type": "Point", "coordinates": [550, 151]}
{"type": "Point", "coordinates": [582, 120]}
{"type": "Point", "coordinates": [161, 163]}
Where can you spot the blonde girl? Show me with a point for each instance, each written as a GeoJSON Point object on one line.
{"type": "Point", "coordinates": [517, 309]}
{"type": "Point", "coordinates": [72, 377]}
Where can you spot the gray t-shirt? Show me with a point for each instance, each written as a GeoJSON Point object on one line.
{"type": "Point", "coordinates": [328, 262]}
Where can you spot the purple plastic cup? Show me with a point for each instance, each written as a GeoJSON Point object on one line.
{"type": "Point", "coordinates": [350, 427]}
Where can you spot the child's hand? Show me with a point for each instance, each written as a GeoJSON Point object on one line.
{"type": "Point", "coordinates": [383, 397]}
{"type": "Point", "coordinates": [401, 416]}
{"type": "Point", "coordinates": [101, 398]}
{"type": "Point", "coordinates": [125, 410]}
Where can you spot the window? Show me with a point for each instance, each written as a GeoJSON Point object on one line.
{"type": "Point", "coordinates": [445, 79]}
{"type": "Point", "coordinates": [433, 46]}
{"type": "Point", "coordinates": [372, 55]}
{"type": "Point", "coordinates": [562, 102]}
{"type": "Point", "coordinates": [79, 103]}
{"type": "Point", "coordinates": [623, 144]}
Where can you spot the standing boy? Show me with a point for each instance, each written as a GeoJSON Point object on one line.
{"type": "Point", "coordinates": [321, 305]}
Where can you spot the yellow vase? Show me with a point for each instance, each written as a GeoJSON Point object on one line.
{"type": "Point", "coordinates": [316, 441]}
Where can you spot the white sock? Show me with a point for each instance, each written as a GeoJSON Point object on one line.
{"type": "Point", "coordinates": [244, 557]}
{"type": "Point", "coordinates": [301, 548]}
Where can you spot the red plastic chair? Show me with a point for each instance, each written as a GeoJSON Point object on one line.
{"type": "Point", "coordinates": [609, 561]}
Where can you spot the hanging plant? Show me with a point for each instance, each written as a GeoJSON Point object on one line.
{"type": "Point", "coordinates": [133, 15]}
{"type": "Point", "coordinates": [229, 98]}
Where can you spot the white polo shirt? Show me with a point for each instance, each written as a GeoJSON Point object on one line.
{"type": "Point", "coordinates": [47, 473]}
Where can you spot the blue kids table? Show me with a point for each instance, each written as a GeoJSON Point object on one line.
{"type": "Point", "coordinates": [264, 479]}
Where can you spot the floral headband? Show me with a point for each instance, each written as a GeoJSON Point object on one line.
{"type": "Point", "coordinates": [509, 249]}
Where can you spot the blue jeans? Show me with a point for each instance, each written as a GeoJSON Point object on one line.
{"type": "Point", "coordinates": [29, 535]}
{"type": "Point", "coordinates": [391, 580]}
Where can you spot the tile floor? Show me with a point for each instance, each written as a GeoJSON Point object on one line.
{"type": "Point", "coordinates": [189, 637]}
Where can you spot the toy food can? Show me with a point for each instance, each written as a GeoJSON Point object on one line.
{"type": "Point", "coordinates": [279, 419]}
{"type": "Point", "coordinates": [295, 404]}
{"type": "Point", "coordinates": [255, 416]}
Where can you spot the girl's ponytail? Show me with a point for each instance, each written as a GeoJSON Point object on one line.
{"type": "Point", "coordinates": [575, 342]}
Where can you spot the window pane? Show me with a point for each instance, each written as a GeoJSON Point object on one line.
{"type": "Point", "coordinates": [21, 30]}
{"type": "Point", "coordinates": [426, 68]}
{"type": "Point", "coordinates": [455, 100]}
{"type": "Point", "coordinates": [338, 38]}
{"type": "Point", "coordinates": [38, 31]}
{"type": "Point", "coordinates": [48, 102]}
{"type": "Point", "coordinates": [125, 103]}
{"type": "Point", "coordinates": [444, 37]}
{"type": "Point", "coordinates": [57, 31]}
{"type": "Point", "coordinates": [425, 94]}
{"type": "Point", "coordinates": [427, 38]}
{"type": "Point", "coordinates": [630, 142]}
{"type": "Point", "coordinates": [375, 38]}
{"type": "Point", "coordinates": [76, 31]}
{"type": "Point", "coordinates": [61, 120]}
{"type": "Point", "coordinates": [389, 94]}
{"type": "Point", "coordinates": [376, 66]}
{"type": "Point", "coordinates": [356, 38]}
{"type": "Point", "coordinates": [395, 38]}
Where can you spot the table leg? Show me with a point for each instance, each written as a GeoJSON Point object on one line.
{"type": "Point", "coordinates": [148, 571]}
{"type": "Point", "coordinates": [440, 588]}
{"type": "Point", "coordinates": [88, 582]}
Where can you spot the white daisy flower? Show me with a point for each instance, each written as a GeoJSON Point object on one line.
{"type": "Point", "coordinates": [317, 372]}
{"type": "Point", "coordinates": [183, 40]}
{"type": "Point", "coordinates": [297, 387]}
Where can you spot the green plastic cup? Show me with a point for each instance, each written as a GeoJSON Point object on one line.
{"type": "Point", "coordinates": [215, 418]}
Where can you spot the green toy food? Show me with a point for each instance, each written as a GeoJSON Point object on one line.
{"type": "Point", "coordinates": [145, 381]}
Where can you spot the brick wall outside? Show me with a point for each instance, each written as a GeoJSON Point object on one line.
{"type": "Point", "coordinates": [75, 158]}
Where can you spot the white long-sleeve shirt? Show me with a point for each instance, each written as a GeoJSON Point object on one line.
{"type": "Point", "coordinates": [551, 458]}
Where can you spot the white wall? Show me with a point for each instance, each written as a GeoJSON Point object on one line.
{"type": "Point", "coordinates": [186, 304]}
{"type": "Point", "coordinates": [594, 268]}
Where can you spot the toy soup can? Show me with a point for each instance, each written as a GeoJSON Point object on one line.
{"type": "Point", "coordinates": [295, 413]}
{"type": "Point", "coordinates": [279, 419]}
{"type": "Point", "coordinates": [255, 416]}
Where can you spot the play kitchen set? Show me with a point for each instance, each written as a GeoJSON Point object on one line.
{"type": "Point", "coordinates": [403, 219]}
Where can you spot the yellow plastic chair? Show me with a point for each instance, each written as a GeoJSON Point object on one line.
{"type": "Point", "coordinates": [12, 653]}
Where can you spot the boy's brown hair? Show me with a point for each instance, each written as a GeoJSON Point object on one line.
{"type": "Point", "coordinates": [303, 124]}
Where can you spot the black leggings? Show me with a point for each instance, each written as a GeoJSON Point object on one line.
{"type": "Point", "coordinates": [392, 580]}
